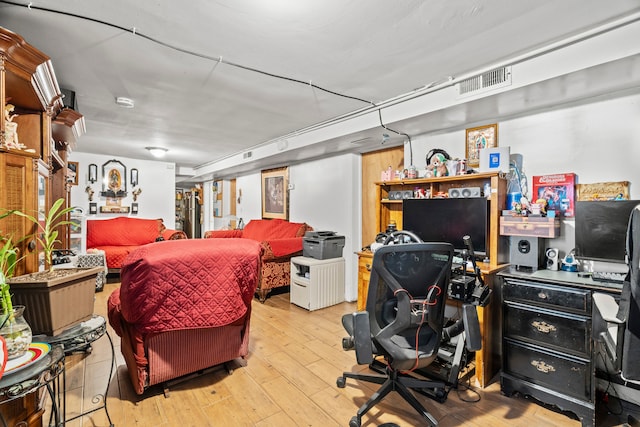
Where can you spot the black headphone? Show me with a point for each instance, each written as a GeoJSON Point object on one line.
{"type": "Point", "coordinates": [401, 236]}
{"type": "Point", "coordinates": [435, 151]}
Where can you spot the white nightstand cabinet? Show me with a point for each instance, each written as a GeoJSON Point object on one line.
{"type": "Point", "coordinates": [316, 283]}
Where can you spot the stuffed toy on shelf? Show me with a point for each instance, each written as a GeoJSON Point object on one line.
{"type": "Point", "coordinates": [437, 166]}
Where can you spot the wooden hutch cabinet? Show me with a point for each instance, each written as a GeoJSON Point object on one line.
{"type": "Point", "coordinates": [33, 165]}
{"type": "Point", "coordinates": [389, 198]}
{"type": "Point", "coordinates": [389, 209]}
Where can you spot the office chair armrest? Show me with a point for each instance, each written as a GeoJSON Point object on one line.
{"type": "Point", "coordinates": [357, 325]}
{"type": "Point", "coordinates": [607, 307]}
{"type": "Point", "coordinates": [607, 328]}
{"type": "Point", "coordinates": [471, 327]}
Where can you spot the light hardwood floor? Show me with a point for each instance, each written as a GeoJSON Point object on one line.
{"type": "Point", "coordinates": [290, 380]}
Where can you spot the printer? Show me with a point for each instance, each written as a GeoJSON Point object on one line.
{"type": "Point", "coordinates": [322, 245]}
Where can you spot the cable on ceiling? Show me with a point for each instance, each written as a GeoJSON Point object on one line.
{"type": "Point", "coordinates": [218, 60]}
{"type": "Point", "coordinates": [398, 133]}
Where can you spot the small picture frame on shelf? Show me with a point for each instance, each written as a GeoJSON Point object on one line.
{"type": "Point", "coordinates": [134, 208]}
{"type": "Point", "coordinates": [93, 208]}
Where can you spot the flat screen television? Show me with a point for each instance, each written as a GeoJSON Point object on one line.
{"type": "Point", "coordinates": [601, 229]}
{"type": "Point", "coordinates": [449, 220]}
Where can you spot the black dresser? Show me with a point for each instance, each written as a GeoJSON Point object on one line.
{"type": "Point", "coordinates": [547, 343]}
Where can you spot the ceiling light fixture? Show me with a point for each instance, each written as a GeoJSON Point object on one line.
{"type": "Point", "coordinates": [157, 152]}
{"type": "Point", "coordinates": [124, 102]}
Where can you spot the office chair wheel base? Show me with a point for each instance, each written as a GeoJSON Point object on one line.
{"type": "Point", "coordinates": [354, 422]}
{"type": "Point", "coordinates": [341, 382]}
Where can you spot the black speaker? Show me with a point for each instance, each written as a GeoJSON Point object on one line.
{"type": "Point", "coordinates": [526, 252]}
{"type": "Point", "coordinates": [69, 99]}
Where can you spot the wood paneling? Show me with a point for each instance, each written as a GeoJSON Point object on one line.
{"type": "Point", "coordinates": [372, 165]}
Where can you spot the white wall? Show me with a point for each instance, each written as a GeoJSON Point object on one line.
{"type": "Point", "coordinates": [156, 179]}
{"type": "Point", "coordinates": [599, 142]}
{"type": "Point", "coordinates": [325, 195]}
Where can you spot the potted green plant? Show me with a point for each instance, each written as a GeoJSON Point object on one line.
{"type": "Point", "coordinates": [13, 328]}
{"type": "Point", "coordinates": [47, 234]}
{"type": "Point", "coordinates": [55, 299]}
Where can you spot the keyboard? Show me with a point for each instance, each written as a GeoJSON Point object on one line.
{"type": "Point", "coordinates": [606, 276]}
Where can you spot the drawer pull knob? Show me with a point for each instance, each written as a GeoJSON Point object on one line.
{"type": "Point", "coordinates": [542, 295]}
{"type": "Point", "coordinates": [368, 267]}
{"type": "Point", "coordinates": [542, 366]}
{"type": "Point", "coordinates": [543, 327]}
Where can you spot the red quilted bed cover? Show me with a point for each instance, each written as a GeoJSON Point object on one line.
{"type": "Point", "coordinates": [186, 284]}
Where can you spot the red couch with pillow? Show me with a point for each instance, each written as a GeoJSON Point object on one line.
{"type": "Point", "coordinates": [120, 236]}
{"type": "Point", "coordinates": [184, 306]}
{"type": "Point", "coordinates": [280, 240]}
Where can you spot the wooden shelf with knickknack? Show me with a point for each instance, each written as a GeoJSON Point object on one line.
{"type": "Point", "coordinates": [389, 208]}
{"type": "Point", "coordinates": [36, 134]}
{"type": "Point", "coordinates": [30, 99]}
{"type": "Point", "coordinates": [389, 198]}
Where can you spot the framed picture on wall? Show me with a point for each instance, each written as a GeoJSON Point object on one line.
{"type": "Point", "coordinates": [480, 137]}
{"type": "Point", "coordinates": [72, 173]}
{"type": "Point", "coordinates": [114, 179]}
{"type": "Point", "coordinates": [275, 193]}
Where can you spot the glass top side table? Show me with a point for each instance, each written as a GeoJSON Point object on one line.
{"type": "Point", "coordinates": [78, 338]}
{"type": "Point", "coordinates": [41, 373]}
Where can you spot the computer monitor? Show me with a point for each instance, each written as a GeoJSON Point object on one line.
{"type": "Point", "coordinates": [601, 229]}
{"type": "Point", "coordinates": [449, 220]}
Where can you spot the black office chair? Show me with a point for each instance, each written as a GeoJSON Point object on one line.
{"type": "Point", "coordinates": [403, 321]}
{"type": "Point", "coordinates": [617, 325]}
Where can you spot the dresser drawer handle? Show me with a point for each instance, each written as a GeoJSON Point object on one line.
{"type": "Point", "coordinates": [543, 327]}
{"type": "Point", "coordinates": [368, 267]}
{"type": "Point", "coordinates": [542, 295]}
{"type": "Point", "coordinates": [542, 366]}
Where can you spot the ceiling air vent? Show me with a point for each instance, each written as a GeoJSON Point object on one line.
{"type": "Point", "coordinates": [485, 82]}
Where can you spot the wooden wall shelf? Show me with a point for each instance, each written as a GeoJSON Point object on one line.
{"type": "Point", "coordinates": [389, 210]}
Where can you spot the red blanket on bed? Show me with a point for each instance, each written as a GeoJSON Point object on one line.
{"type": "Point", "coordinates": [186, 284]}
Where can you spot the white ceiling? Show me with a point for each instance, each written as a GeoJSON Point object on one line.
{"type": "Point", "coordinates": [211, 79]}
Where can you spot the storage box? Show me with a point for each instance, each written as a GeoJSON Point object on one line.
{"type": "Point", "coordinates": [53, 305]}
{"type": "Point", "coordinates": [322, 245]}
{"type": "Point", "coordinates": [316, 284]}
{"type": "Point", "coordinates": [95, 260]}
{"type": "Point", "coordinates": [530, 226]}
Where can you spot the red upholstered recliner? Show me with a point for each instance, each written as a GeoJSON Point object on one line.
{"type": "Point", "coordinates": [281, 240]}
{"type": "Point", "coordinates": [120, 236]}
{"type": "Point", "coordinates": [184, 306]}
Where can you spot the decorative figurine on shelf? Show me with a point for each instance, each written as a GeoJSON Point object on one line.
{"type": "Point", "coordinates": [11, 129]}
{"type": "Point", "coordinates": [136, 193]}
{"type": "Point", "coordinates": [419, 193]}
{"type": "Point", "coordinates": [521, 207]}
{"type": "Point", "coordinates": [90, 192]}
{"type": "Point", "coordinates": [437, 166]}
{"type": "Point", "coordinates": [569, 263]}
{"type": "Point", "coordinates": [543, 206]}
